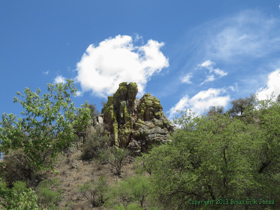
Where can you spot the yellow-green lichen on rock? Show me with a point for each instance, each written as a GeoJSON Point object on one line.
{"type": "Point", "coordinates": [135, 123]}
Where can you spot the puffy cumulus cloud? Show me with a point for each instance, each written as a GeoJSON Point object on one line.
{"type": "Point", "coordinates": [209, 65]}
{"type": "Point", "coordinates": [272, 86]}
{"type": "Point", "coordinates": [59, 79]}
{"type": "Point", "coordinates": [201, 102]}
{"type": "Point", "coordinates": [117, 60]}
{"type": "Point", "coordinates": [186, 79]}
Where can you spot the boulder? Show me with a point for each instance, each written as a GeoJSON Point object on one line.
{"type": "Point", "coordinates": [135, 124]}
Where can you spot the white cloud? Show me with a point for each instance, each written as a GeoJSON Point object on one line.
{"type": "Point", "coordinates": [249, 34]}
{"type": "Point", "coordinates": [79, 93]}
{"type": "Point", "coordinates": [209, 78]}
{"type": "Point", "coordinates": [117, 60]}
{"type": "Point", "coordinates": [210, 66]}
{"type": "Point", "coordinates": [186, 79]}
{"type": "Point", "coordinates": [242, 37]}
{"type": "Point", "coordinates": [206, 64]}
{"type": "Point", "coordinates": [220, 72]}
{"type": "Point", "coordinates": [201, 102]}
{"type": "Point", "coordinates": [272, 86]}
{"type": "Point", "coordinates": [59, 79]}
{"type": "Point", "coordinates": [45, 72]}
{"type": "Point", "coordinates": [234, 88]}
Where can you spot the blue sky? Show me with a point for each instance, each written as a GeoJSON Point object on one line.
{"type": "Point", "coordinates": [189, 54]}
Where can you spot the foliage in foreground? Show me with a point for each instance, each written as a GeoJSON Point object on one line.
{"type": "Point", "coordinates": [219, 157]}
{"type": "Point", "coordinates": [132, 191]}
{"type": "Point", "coordinates": [47, 126]}
{"type": "Point", "coordinates": [47, 196]}
{"type": "Point", "coordinates": [18, 198]}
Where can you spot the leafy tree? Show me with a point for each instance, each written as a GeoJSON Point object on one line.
{"type": "Point", "coordinates": [240, 105]}
{"type": "Point", "coordinates": [18, 198]}
{"type": "Point", "coordinates": [116, 158]}
{"type": "Point", "coordinates": [214, 110]}
{"type": "Point", "coordinates": [47, 121]}
{"type": "Point", "coordinates": [278, 98]}
{"type": "Point", "coordinates": [94, 192]}
{"type": "Point", "coordinates": [132, 190]}
{"type": "Point", "coordinates": [221, 158]}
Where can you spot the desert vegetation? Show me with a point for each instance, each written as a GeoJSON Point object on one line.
{"type": "Point", "coordinates": [60, 157]}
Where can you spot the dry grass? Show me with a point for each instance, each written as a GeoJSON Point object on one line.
{"type": "Point", "coordinates": [73, 172]}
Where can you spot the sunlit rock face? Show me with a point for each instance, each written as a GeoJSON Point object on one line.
{"type": "Point", "coordinates": [135, 124]}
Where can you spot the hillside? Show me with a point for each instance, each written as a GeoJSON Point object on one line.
{"type": "Point", "coordinates": [131, 156]}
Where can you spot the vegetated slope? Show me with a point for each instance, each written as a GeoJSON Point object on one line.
{"type": "Point", "coordinates": [74, 172]}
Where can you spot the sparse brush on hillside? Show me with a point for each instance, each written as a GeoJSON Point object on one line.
{"type": "Point", "coordinates": [96, 142]}
{"type": "Point", "coordinates": [17, 167]}
{"type": "Point", "coordinates": [48, 196]}
{"type": "Point", "coordinates": [94, 191]}
{"type": "Point", "coordinates": [229, 156]}
{"type": "Point", "coordinates": [116, 158]}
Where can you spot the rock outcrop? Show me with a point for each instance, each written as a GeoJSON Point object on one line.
{"type": "Point", "coordinates": [135, 124]}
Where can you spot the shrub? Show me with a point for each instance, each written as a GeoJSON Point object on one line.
{"type": "Point", "coordinates": [17, 167]}
{"type": "Point", "coordinates": [18, 198]}
{"type": "Point", "coordinates": [96, 141]}
{"type": "Point", "coordinates": [132, 191]}
{"type": "Point", "coordinates": [116, 158]}
{"type": "Point", "coordinates": [94, 192]}
{"type": "Point", "coordinates": [49, 198]}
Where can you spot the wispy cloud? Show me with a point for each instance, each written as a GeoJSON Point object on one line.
{"type": "Point", "coordinates": [209, 65]}
{"type": "Point", "coordinates": [249, 34]}
{"type": "Point", "coordinates": [59, 79]}
{"type": "Point", "coordinates": [117, 60]}
{"type": "Point", "coordinates": [45, 72]}
{"type": "Point", "coordinates": [245, 45]}
{"type": "Point", "coordinates": [272, 86]}
{"type": "Point", "coordinates": [200, 102]}
{"type": "Point", "coordinates": [186, 79]}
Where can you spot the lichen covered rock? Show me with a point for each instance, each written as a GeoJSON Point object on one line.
{"type": "Point", "coordinates": [136, 124]}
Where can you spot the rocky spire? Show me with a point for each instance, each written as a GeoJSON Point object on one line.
{"type": "Point", "coordinates": [136, 124]}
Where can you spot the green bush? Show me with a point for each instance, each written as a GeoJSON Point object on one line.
{"type": "Point", "coordinates": [18, 198]}
{"type": "Point", "coordinates": [130, 206]}
{"type": "Point", "coordinates": [116, 158]}
{"type": "Point", "coordinates": [94, 192]}
{"type": "Point", "coordinates": [132, 191]}
{"type": "Point", "coordinates": [17, 167]}
{"type": "Point", "coordinates": [48, 197]}
{"type": "Point", "coordinates": [96, 141]}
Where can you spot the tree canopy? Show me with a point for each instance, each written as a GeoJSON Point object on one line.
{"type": "Point", "coordinates": [221, 159]}
{"type": "Point", "coordinates": [47, 123]}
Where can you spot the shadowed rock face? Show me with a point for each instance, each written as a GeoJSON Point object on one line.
{"type": "Point", "coordinates": [135, 124]}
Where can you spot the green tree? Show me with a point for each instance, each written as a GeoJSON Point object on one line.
{"type": "Point", "coordinates": [47, 124]}
{"type": "Point", "coordinates": [240, 105]}
{"type": "Point", "coordinates": [18, 198]}
{"type": "Point", "coordinates": [214, 110]}
{"type": "Point", "coordinates": [131, 190]}
{"type": "Point", "coordinates": [221, 158]}
{"type": "Point", "coordinates": [116, 158]}
{"type": "Point", "coordinates": [94, 192]}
